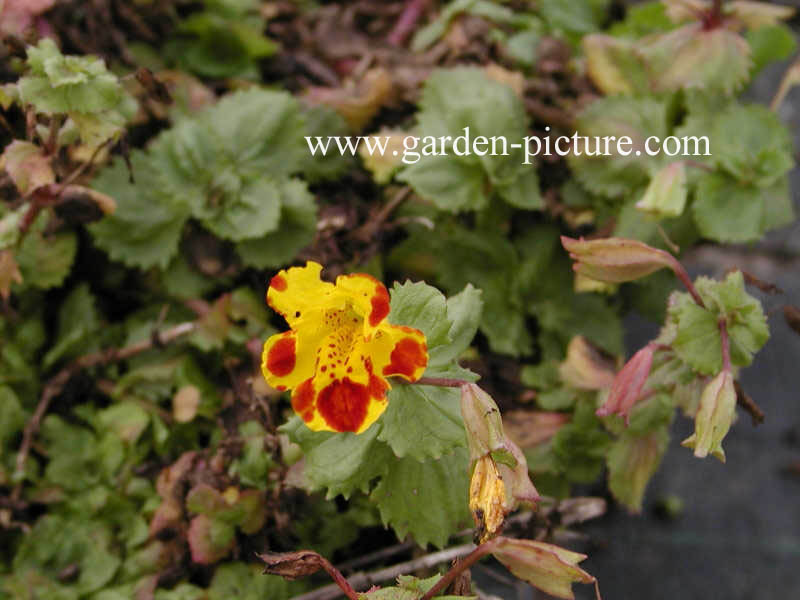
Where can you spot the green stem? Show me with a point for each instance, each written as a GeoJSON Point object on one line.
{"type": "Point", "coordinates": [440, 382]}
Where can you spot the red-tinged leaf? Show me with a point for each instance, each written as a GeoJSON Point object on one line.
{"type": "Point", "coordinates": [616, 260]}
{"type": "Point", "coordinates": [531, 428]}
{"type": "Point", "coordinates": [254, 511]}
{"type": "Point", "coordinates": [628, 384]}
{"type": "Point", "coordinates": [550, 568]}
{"type": "Point", "coordinates": [27, 166]}
{"type": "Point", "coordinates": [205, 500]}
{"type": "Point", "coordinates": [586, 367]}
{"type": "Point", "coordinates": [210, 540]}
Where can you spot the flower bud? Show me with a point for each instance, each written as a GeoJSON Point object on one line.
{"type": "Point", "coordinates": [714, 417]}
{"type": "Point", "coordinates": [487, 498]}
{"type": "Point", "coordinates": [616, 260]}
{"type": "Point", "coordinates": [628, 384]}
{"type": "Point", "coordinates": [666, 194]}
{"type": "Point", "coordinates": [500, 479]}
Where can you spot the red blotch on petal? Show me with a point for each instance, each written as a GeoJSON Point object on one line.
{"type": "Point", "coordinates": [278, 283]}
{"type": "Point", "coordinates": [380, 305]}
{"type": "Point", "coordinates": [343, 404]}
{"type": "Point", "coordinates": [303, 399]}
{"type": "Point", "coordinates": [281, 357]}
{"type": "Point", "coordinates": [408, 356]}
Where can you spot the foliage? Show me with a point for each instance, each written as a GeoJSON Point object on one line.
{"type": "Point", "coordinates": [143, 215]}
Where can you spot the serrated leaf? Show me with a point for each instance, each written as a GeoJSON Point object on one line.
{"type": "Point", "coordinates": [145, 229]}
{"type": "Point", "coordinates": [46, 261]}
{"type": "Point", "coordinates": [426, 500]}
{"type": "Point", "coordinates": [421, 306]}
{"type": "Point", "coordinates": [210, 540]}
{"type": "Point", "coordinates": [727, 211]}
{"type": "Point", "coordinates": [464, 312]}
{"type": "Point", "coordinates": [617, 175]}
{"type": "Point", "coordinates": [752, 145]}
{"type": "Point", "coordinates": [422, 422]}
{"type": "Point", "coordinates": [340, 463]}
{"type": "Point", "coordinates": [697, 342]}
{"type": "Point", "coordinates": [449, 183]}
{"type": "Point", "coordinates": [27, 166]}
{"type": "Point", "coordinates": [713, 59]}
{"type": "Point", "coordinates": [246, 582]}
{"type": "Point", "coordinates": [296, 229]}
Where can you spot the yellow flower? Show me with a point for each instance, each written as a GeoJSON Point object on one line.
{"type": "Point", "coordinates": [340, 348]}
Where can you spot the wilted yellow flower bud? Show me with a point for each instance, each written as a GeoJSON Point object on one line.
{"type": "Point", "coordinates": [487, 498]}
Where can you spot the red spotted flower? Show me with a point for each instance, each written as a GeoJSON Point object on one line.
{"type": "Point", "coordinates": [340, 348]}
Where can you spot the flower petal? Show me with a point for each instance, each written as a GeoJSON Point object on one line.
{"type": "Point", "coordinates": [368, 296]}
{"type": "Point", "coordinates": [399, 350]}
{"type": "Point", "coordinates": [340, 404]}
{"type": "Point", "coordinates": [285, 361]}
{"type": "Point", "coordinates": [294, 291]}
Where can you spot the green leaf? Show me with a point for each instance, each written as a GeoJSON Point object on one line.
{"type": "Point", "coordinates": [46, 261]}
{"type": "Point", "coordinates": [697, 341]}
{"type": "Point", "coordinates": [146, 227]}
{"type": "Point", "coordinates": [727, 211]}
{"type": "Point", "coordinates": [341, 463]}
{"type": "Point", "coordinates": [253, 466]}
{"type": "Point", "coordinates": [79, 86]}
{"type": "Point", "coordinates": [296, 230]}
{"type": "Point", "coordinates": [752, 144]}
{"type": "Point", "coordinates": [421, 306]}
{"type": "Point", "coordinates": [78, 324]}
{"type": "Point", "coordinates": [423, 422]}
{"type": "Point", "coordinates": [449, 183]}
{"type": "Point", "coordinates": [12, 417]}
{"type": "Point", "coordinates": [246, 582]}
{"type": "Point", "coordinates": [464, 313]}
{"type": "Point", "coordinates": [770, 43]}
{"type": "Point", "coordinates": [426, 500]}
{"type": "Point", "coordinates": [632, 461]}
{"type": "Point", "coordinates": [56, 543]}
{"type": "Point", "coordinates": [637, 118]}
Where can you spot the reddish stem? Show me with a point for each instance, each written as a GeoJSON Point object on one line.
{"type": "Point", "coordinates": [714, 17]}
{"type": "Point", "coordinates": [680, 273]}
{"type": "Point", "coordinates": [458, 568]}
{"type": "Point", "coordinates": [407, 21]}
{"type": "Point", "coordinates": [441, 381]}
{"type": "Point", "coordinates": [339, 579]}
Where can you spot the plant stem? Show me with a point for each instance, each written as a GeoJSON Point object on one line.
{"type": "Point", "coordinates": [408, 19]}
{"type": "Point", "coordinates": [458, 568]}
{"type": "Point", "coordinates": [441, 381]}
{"type": "Point", "coordinates": [680, 273]}
{"type": "Point", "coordinates": [339, 579]}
